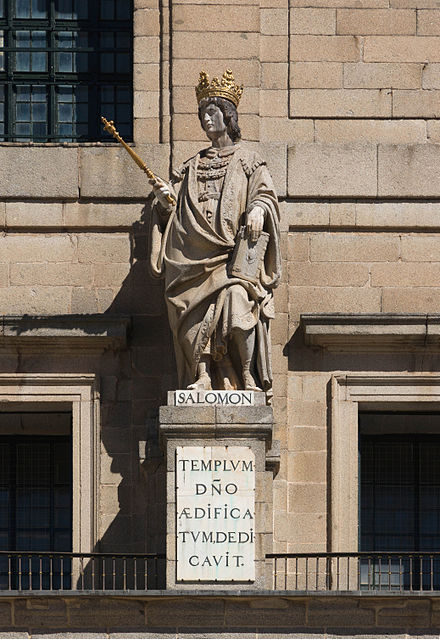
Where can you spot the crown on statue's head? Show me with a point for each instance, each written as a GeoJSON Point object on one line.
{"type": "Point", "coordinates": [224, 88]}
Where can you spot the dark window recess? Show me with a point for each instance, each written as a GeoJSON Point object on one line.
{"type": "Point", "coordinates": [400, 504]}
{"type": "Point", "coordinates": [35, 508]}
{"type": "Point", "coordinates": [63, 64]}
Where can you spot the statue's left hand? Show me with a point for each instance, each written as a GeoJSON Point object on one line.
{"type": "Point", "coordinates": [255, 222]}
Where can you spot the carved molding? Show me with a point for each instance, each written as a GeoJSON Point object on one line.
{"type": "Point", "coordinates": [67, 332]}
{"type": "Point", "coordinates": [376, 332]}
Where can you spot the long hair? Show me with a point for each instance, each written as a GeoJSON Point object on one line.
{"type": "Point", "coordinates": [230, 115]}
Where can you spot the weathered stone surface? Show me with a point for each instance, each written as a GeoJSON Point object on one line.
{"type": "Point", "coordinates": [420, 248]}
{"type": "Point", "coordinates": [409, 170]}
{"type": "Point", "coordinates": [274, 21]}
{"type": "Point", "coordinates": [244, 613]}
{"type": "Point", "coordinates": [281, 130]}
{"type": "Point", "coordinates": [72, 634]}
{"type": "Point", "coordinates": [311, 498]}
{"type": "Point", "coordinates": [348, 247]}
{"type": "Point", "coordinates": [376, 22]}
{"type": "Point", "coordinates": [376, 131]}
{"type": "Point", "coordinates": [96, 247]}
{"type": "Point", "coordinates": [41, 613]}
{"type": "Point", "coordinates": [202, 17]}
{"type": "Point", "coordinates": [328, 274]}
{"type": "Point", "coordinates": [398, 215]}
{"type": "Point", "coordinates": [340, 103]}
{"type": "Point", "coordinates": [316, 75]}
{"type": "Point", "coordinates": [148, 633]}
{"type": "Point", "coordinates": [191, 613]}
{"type": "Point", "coordinates": [396, 48]}
{"type": "Point", "coordinates": [331, 170]}
{"type": "Point", "coordinates": [416, 104]}
{"type": "Point", "coordinates": [106, 612]}
{"type": "Point", "coordinates": [61, 274]}
{"type": "Point", "coordinates": [109, 172]}
{"type": "Point", "coordinates": [405, 274]}
{"type": "Point", "coordinates": [306, 438]}
{"type": "Point", "coordinates": [201, 44]}
{"type": "Point", "coordinates": [34, 214]}
{"type": "Point", "coordinates": [308, 466]}
{"type": "Point", "coordinates": [42, 172]}
{"type": "Point", "coordinates": [311, 48]}
{"type": "Point", "coordinates": [313, 21]}
{"type": "Point", "coordinates": [405, 614]}
{"type": "Point", "coordinates": [382, 76]}
{"type": "Point", "coordinates": [344, 614]}
{"type": "Point", "coordinates": [309, 299]}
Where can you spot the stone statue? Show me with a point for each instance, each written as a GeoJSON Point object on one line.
{"type": "Point", "coordinates": [219, 319]}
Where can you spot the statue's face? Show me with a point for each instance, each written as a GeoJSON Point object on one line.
{"type": "Point", "coordinates": [213, 122]}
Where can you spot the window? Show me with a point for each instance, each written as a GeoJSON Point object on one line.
{"type": "Point", "coordinates": [63, 64]}
{"type": "Point", "coordinates": [400, 496]}
{"type": "Point", "coordinates": [35, 498]}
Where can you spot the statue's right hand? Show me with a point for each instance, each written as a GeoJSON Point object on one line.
{"type": "Point", "coordinates": [163, 191]}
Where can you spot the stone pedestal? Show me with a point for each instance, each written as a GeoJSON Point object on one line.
{"type": "Point", "coordinates": [219, 492]}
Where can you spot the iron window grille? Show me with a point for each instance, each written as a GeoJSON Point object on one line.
{"type": "Point", "coordinates": [63, 64]}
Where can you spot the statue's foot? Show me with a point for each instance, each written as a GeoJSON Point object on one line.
{"type": "Point", "coordinates": [202, 383]}
{"type": "Point", "coordinates": [227, 384]}
{"type": "Point", "coordinates": [249, 382]}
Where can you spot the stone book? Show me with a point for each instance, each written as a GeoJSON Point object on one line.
{"type": "Point", "coordinates": [248, 256]}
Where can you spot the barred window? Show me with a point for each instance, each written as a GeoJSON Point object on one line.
{"type": "Point", "coordinates": [63, 64]}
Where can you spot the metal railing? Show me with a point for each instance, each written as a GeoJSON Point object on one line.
{"type": "Point", "coordinates": [356, 571]}
{"type": "Point", "coordinates": [54, 571]}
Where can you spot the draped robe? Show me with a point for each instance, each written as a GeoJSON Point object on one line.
{"type": "Point", "coordinates": [204, 302]}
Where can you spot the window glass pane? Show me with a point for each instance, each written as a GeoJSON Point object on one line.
{"type": "Point", "coordinates": [23, 8]}
{"type": "Point", "coordinates": [71, 62]}
{"type": "Point", "coordinates": [122, 63]}
{"type": "Point", "coordinates": [39, 112]}
{"type": "Point", "coordinates": [31, 111]}
{"type": "Point", "coordinates": [108, 10]}
{"type": "Point", "coordinates": [39, 130]}
{"type": "Point", "coordinates": [122, 10]}
{"type": "Point", "coordinates": [65, 113]}
{"type": "Point", "coordinates": [39, 60]}
{"type": "Point", "coordinates": [27, 61]}
{"type": "Point", "coordinates": [107, 40]}
{"type": "Point", "coordinates": [23, 112]}
{"type": "Point", "coordinates": [2, 8]}
{"type": "Point", "coordinates": [81, 10]}
{"type": "Point", "coordinates": [64, 9]}
{"type": "Point", "coordinates": [39, 9]}
{"type": "Point", "coordinates": [122, 41]}
{"type": "Point", "coordinates": [107, 62]}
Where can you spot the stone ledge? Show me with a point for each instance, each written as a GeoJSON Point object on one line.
{"type": "Point", "coordinates": [219, 594]}
{"type": "Point", "coordinates": [64, 331]}
{"type": "Point", "coordinates": [376, 332]}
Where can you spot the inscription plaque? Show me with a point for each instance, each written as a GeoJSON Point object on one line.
{"type": "Point", "coordinates": [215, 513]}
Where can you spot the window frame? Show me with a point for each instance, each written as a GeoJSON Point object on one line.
{"type": "Point", "coordinates": [409, 392]}
{"type": "Point", "coordinates": [93, 79]}
{"type": "Point", "coordinates": [80, 395]}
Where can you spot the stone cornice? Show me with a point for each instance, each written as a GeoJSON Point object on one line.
{"type": "Point", "coordinates": [375, 332]}
{"type": "Point", "coordinates": [67, 332]}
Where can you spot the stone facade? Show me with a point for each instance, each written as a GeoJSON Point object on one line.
{"type": "Point", "coordinates": [342, 98]}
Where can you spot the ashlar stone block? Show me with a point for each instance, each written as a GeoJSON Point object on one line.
{"type": "Point", "coordinates": [44, 172]}
{"type": "Point", "coordinates": [332, 170]}
{"type": "Point", "coordinates": [409, 170]}
{"type": "Point", "coordinates": [109, 172]}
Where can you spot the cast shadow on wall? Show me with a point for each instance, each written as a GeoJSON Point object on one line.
{"type": "Point", "coordinates": [129, 425]}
